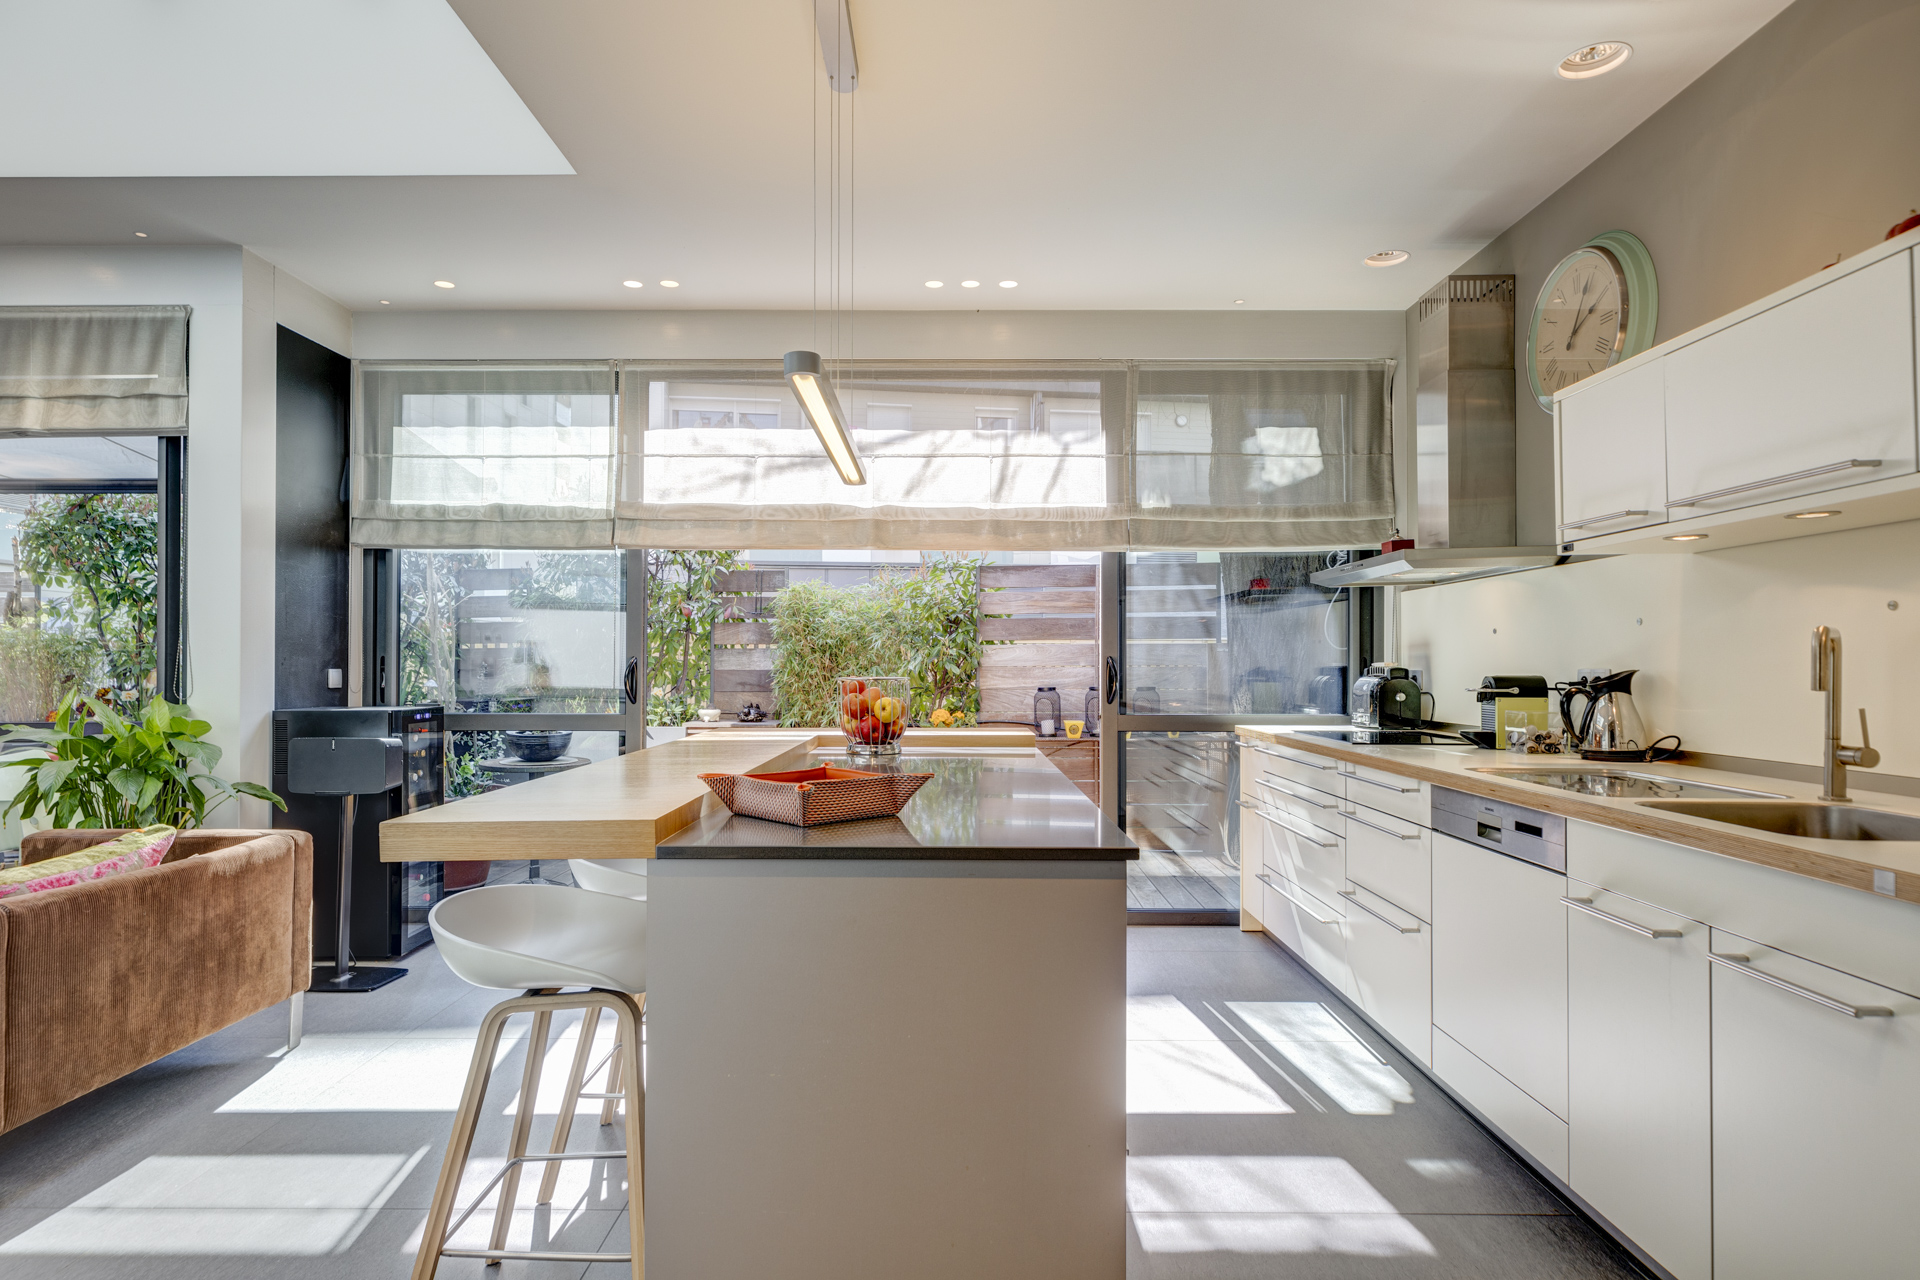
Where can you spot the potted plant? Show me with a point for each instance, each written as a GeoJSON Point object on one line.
{"type": "Point", "coordinates": [157, 768]}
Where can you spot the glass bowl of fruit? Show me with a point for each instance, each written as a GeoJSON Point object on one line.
{"type": "Point", "coordinates": [873, 713]}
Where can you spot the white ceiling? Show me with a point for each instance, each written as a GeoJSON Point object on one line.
{"type": "Point", "coordinates": [256, 88]}
{"type": "Point", "coordinates": [1104, 153]}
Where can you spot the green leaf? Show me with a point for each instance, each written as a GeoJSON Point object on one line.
{"type": "Point", "coordinates": [260, 793]}
{"type": "Point", "coordinates": [53, 773]}
{"type": "Point", "coordinates": [128, 782]}
{"type": "Point", "coordinates": [204, 754]}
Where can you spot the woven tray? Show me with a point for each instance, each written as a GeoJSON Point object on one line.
{"type": "Point", "coordinates": [809, 797]}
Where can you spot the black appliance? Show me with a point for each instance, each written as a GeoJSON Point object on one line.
{"type": "Point", "coordinates": [1387, 697]}
{"type": "Point", "coordinates": [1386, 737]}
{"type": "Point", "coordinates": [390, 900]}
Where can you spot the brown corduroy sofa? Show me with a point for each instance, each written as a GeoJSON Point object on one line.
{"type": "Point", "coordinates": [99, 979]}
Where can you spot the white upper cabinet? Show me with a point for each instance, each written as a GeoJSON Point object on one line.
{"type": "Point", "coordinates": [1779, 404]}
{"type": "Point", "coordinates": [1613, 455]}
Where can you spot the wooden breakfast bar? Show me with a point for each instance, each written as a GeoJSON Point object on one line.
{"type": "Point", "coordinates": [887, 1047]}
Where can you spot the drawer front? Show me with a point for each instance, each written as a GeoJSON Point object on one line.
{"type": "Point", "coordinates": [1407, 798]}
{"type": "Point", "coordinates": [1305, 854]}
{"type": "Point", "coordinates": [1390, 952]}
{"type": "Point", "coordinates": [1613, 461]}
{"type": "Point", "coordinates": [1322, 773]}
{"type": "Point", "coordinates": [1536, 1130]}
{"type": "Point", "coordinates": [1392, 857]}
{"type": "Point", "coordinates": [1312, 929]}
{"type": "Point", "coordinates": [1283, 795]}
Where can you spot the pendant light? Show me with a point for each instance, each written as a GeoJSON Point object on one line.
{"type": "Point", "coordinates": [805, 372]}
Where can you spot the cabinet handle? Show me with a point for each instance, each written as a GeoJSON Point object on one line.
{"type": "Point", "coordinates": [1615, 515]}
{"type": "Point", "coordinates": [1295, 901]}
{"type": "Point", "coordinates": [1744, 964]}
{"type": "Point", "coordinates": [1352, 816]}
{"type": "Point", "coordinates": [1808, 474]}
{"type": "Point", "coordinates": [1269, 751]}
{"type": "Point", "coordinates": [1279, 820]}
{"type": "Point", "coordinates": [1384, 786]}
{"type": "Point", "coordinates": [1351, 896]}
{"type": "Point", "coordinates": [1586, 905]}
{"type": "Point", "coordinates": [1291, 795]}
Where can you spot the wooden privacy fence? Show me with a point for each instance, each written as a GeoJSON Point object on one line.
{"type": "Point", "coordinates": [743, 649]}
{"type": "Point", "coordinates": [1039, 624]}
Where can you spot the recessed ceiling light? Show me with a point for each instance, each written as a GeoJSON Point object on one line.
{"type": "Point", "coordinates": [669, 284]}
{"type": "Point", "coordinates": [935, 284]}
{"type": "Point", "coordinates": [385, 303]}
{"type": "Point", "coordinates": [633, 284]}
{"type": "Point", "coordinates": [1812, 515]}
{"type": "Point", "coordinates": [969, 284]}
{"type": "Point", "coordinates": [443, 284]}
{"type": "Point", "coordinates": [1595, 59]}
{"type": "Point", "coordinates": [1686, 537]}
{"type": "Point", "coordinates": [1387, 258]}
{"type": "Point", "coordinates": [141, 234]}
{"type": "Point", "coordinates": [1009, 284]}
{"type": "Point", "coordinates": [1239, 302]}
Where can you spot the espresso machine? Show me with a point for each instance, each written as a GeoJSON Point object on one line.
{"type": "Point", "coordinates": [1387, 697]}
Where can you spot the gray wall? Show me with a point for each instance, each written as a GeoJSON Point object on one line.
{"type": "Point", "coordinates": [1801, 146]}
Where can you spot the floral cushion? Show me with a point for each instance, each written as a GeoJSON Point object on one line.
{"type": "Point", "coordinates": [130, 852]}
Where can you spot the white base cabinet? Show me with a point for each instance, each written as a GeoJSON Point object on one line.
{"type": "Point", "coordinates": [1390, 954]}
{"type": "Point", "coordinates": [1639, 1107]}
{"type": "Point", "coordinates": [1816, 1121]}
{"type": "Point", "coordinates": [1500, 965]}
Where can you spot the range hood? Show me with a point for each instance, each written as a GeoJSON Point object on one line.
{"type": "Point", "coordinates": [1464, 446]}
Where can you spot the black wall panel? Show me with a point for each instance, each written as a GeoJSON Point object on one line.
{"type": "Point", "coordinates": [310, 544]}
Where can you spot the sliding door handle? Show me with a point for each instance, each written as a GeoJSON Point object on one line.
{"type": "Point", "coordinates": [631, 684]}
{"type": "Point", "coordinates": [1113, 679]}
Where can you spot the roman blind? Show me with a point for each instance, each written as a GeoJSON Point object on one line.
{"type": "Point", "coordinates": [483, 456]}
{"type": "Point", "coordinates": [1093, 456]}
{"type": "Point", "coordinates": [69, 371]}
{"type": "Point", "coordinates": [957, 458]}
{"type": "Point", "coordinates": [1269, 456]}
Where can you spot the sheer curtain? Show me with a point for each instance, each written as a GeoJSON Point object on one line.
{"type": "Point", "coordinates": [93, 371]}
{"type": "Point", "coordinates": [957, 458]}
{"type": "Point", "coordinates": [483, 456]}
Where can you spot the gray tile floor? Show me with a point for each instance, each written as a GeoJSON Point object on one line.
{"type": "Point", "coordinates": [1270, 1135]}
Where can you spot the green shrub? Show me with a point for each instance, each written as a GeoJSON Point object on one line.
{"type": "Point", "coordinates": [924, 625]}
{"type": "Point", "coordinates": [39, 667]}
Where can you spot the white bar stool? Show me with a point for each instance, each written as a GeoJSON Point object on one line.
{"type": "Point", "coordinates": [538, 938]}
{"type": "Point", "coordinates": [622, 877]}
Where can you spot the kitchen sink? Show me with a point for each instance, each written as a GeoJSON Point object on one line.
{"type": "Point", "coordinates": [1617, 783]}
{"type": "Point", "coordinates": [1797, 818]}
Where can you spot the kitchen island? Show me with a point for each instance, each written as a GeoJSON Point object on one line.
{"type": "Point", "coordinates": [879, 1048]}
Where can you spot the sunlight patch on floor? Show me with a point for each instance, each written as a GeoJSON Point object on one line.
{"type": "Point", "coordinates": [282, 1205]}
{"type": "Point", "coordinates": [1327, 1052]}
{"type": "Point", "coordinates": [1264, 1204]}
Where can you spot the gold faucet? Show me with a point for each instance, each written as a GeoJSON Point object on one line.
{"type": "Point", "coordinates": [1834, 757]}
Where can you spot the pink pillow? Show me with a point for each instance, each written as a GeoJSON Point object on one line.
{"type": "Point", "coordinates": [130, 852]}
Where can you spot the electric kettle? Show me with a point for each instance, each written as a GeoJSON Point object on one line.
{"type": "Point", "coordinates": [1607, 727]}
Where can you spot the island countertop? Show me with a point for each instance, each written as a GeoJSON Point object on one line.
{"type": "Point", "coordinates": [1007, 805]}
{"type": "Point", "coordinates": [624, 807]}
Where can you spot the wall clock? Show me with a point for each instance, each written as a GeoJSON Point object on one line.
{"type": "Point", "coordinates": [1595, 309]}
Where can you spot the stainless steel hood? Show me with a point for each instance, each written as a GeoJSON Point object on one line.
{"type": "Point", "coordinates": [1427, 566]}
{"type": "Point", "coordinates": [1464, 446]}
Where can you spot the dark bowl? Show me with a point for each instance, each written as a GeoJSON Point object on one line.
{"type": "Point", "coordinates": [537, 746]}
{"type": "Point", "coordinates": [1482, 738]}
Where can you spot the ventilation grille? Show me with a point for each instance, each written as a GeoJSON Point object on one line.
{"type": "Point", "coordinates": [1468, 289]}
{"type": "Point", "coordinates": [281, 732]}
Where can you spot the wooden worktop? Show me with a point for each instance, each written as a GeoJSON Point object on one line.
{"type": "Point", "coordinates": [622, 808]}
{"type": "Point", "coordinates": [1844, 862]}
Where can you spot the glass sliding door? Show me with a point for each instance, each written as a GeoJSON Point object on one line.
{"type": "Point", "coordinates": [1209, 640]}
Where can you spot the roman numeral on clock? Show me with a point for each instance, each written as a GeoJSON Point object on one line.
{"type": "Point", "coordinates": [1603, 344]}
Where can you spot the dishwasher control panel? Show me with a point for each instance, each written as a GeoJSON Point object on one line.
{"type": "Point", "coordinates": [1512, 829]}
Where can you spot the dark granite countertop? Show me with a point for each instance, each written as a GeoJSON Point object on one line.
{"type": "Point", "coordinates": [1006, 806]}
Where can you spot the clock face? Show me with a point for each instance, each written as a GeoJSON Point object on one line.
{"type": "Point", "coordinates": [1580, 323]}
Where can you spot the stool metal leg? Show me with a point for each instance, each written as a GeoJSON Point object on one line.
{"type": "Point", "coordinates": [522, 1127]}
{"type": "Point", "coordinates": [460, 1145]}
{"type": "Point", "coordinates": [608, 1105]}
{"type": "Point", "coordinates": [576, 1078]}
{"type": "Point", "coordinates": [629, 1013]}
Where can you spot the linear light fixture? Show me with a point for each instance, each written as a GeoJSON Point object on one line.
{"type": "Point", "coordinates": [822, 408]}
